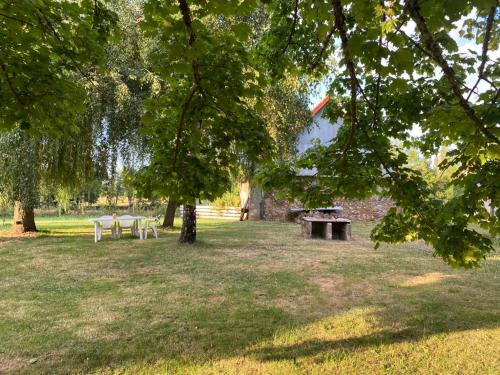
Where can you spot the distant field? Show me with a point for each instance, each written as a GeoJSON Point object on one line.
{"type": "Point", "coordinates": [248, 298]}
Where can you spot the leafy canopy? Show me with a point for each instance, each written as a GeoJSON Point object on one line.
{"type": "Point", "coordinates": [45, 46]}
{"type": "Point", "coordinates": [395, 65]}
{"type": "Point", "coordinates": [207, 120]}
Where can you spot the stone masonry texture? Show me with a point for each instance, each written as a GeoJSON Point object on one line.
{"type": "Point", "coordinates": [373, 208]}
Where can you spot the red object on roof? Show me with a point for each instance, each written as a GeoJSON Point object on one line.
{"type": "Point", "coordinates": [320, 105]}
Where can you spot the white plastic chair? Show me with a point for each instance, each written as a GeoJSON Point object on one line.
{"type": "Point", "coordinates": [127, 222]}
{"type": "Point", "coordinates": [105, 223]}
{"type": "Point", "coordinates": [149, 224]}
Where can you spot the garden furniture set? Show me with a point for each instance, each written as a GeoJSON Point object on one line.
{"type": "Point", "coordinates": [116, 225]}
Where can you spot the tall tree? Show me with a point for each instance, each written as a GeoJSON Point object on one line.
{"type": "Point", "coordinates": [200, 128]}
{"type": "Point", "coordinates": [19, 180]}
{"type": "Point", "coordinates": [285, 102]}
{"type": "Point", "coordinates": [29, 160]}
{"type": "Point", "coordinates": [48, 51]}
{"type": "Point", "coordinates": [168, 220]}
{"type": "Point", "coordinates": [395, 66]}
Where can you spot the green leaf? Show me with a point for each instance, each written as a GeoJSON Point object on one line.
{"type": "Point", "coordinates": [242, 31]}
{"type": "Point", "coordinates": [402, 60]}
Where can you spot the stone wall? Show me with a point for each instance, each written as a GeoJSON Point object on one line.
{"type": "Point", "coordinates": [277, 209]}
{"type": "Point", "coordinates": [373, 208]}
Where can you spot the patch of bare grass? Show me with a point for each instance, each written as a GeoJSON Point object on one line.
{"type": "Point", "coordinates": [12, 364]}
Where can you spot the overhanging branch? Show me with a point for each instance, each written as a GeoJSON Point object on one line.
{"type": "Point", "coordinates": [437, 55]}
{"type": "Point", "coordinates": [294, 25]}
{"type": "Point", "coordinates": [324, 46]}
{"type": "Point", "coordinates": [484, 53]}
{"type": "Point", "coordinates": [342, 30]}
{"type": "Point", "coordinates": [11, 86]}
{"type": "Point", "coordinates": [56, 35]}
{"type": "Point", "coordinates": [20, 20]}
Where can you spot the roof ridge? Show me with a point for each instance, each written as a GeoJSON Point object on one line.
{"type": "Point", "coordinates": [320, 105]}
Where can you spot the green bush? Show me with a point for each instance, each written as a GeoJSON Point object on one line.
{"type": "Point", "coordinates": [230, 198]}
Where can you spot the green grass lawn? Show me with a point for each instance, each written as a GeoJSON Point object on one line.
{"type": "Point", "coordinates": [248, 298]}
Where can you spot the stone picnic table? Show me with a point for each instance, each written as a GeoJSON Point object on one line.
{"type": "Point", "coordinates": [327, 210]}
{"type": "Point", "coordinates": [326, 228]}
{"type": "Point", "coordinates": [295, 213]}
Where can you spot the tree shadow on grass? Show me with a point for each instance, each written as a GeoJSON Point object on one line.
{"type": "Point", "coordinates": [200, 312]}
{"type": "Point", "coordinates": [424, 312]}
{"type": "Point", "coordinates": [209, 333]}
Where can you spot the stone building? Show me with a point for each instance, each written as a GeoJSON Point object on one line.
{"type": "Point", "coordinates": [265, 206]}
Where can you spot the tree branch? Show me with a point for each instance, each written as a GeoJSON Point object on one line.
{"type": "Point", "coordinates": [324, 46]}
{"type": "Point", "coordinates": [186, 17]}
{"type": "Point", "coordinates": [487, 36]}
{"type": "Point", "coordinates": [16, 19]}
{"type": "Point", "coordinates": [185, 107]}
{"type": "Point", "coordinates": [342, 30]}
{"type": "Point", "coordinates": [417, 45]}
{"type": "Point", "coordinates": [437, 55]}
{"type": "Point", "coordinates": [11, 86]}
{"type": "Point", "coordinates": [484, 54]}
{"type": "Point", "coordinates": [58, 37]}
{"type": "Point", "coordinates": [294, 25]}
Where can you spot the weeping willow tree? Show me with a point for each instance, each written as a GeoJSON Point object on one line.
{"type": "Point", "coordinates": [28, 160]}
{"type": "Point", "coordinates": [115, 104]}
{"type": "Point", "coordinates": [109, 137]}
{"type": "Point", "coordinates": [286, 114]}
{"type": "Point", "coordinates": [19, 180]}
{"type": "Point", "coordinates": [99, 83]}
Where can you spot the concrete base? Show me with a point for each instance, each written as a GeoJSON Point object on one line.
{"type": "Point", "coordinates": [345, 231]}
{"type": "Point", "coordinates": [326, 229]}
{"type": "Point", "coordinates": [306, 229]}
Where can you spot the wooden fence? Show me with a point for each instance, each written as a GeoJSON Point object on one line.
{"type": "Point", "coordinates": [206, 211]}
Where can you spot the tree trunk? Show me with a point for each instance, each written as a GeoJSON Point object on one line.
{"type": "Point", "coordinates": [24, 219]}
{"type": "Point", "coordinates": [188, 231]}
{"type": "Point", "coordinates": [168, 221]}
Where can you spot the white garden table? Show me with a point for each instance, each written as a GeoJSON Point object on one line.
{"type": "Point", "coordinates": [111, 223]}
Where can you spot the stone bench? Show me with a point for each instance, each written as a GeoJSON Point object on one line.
{"type": "Point", "coordinates": [328, 229]}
